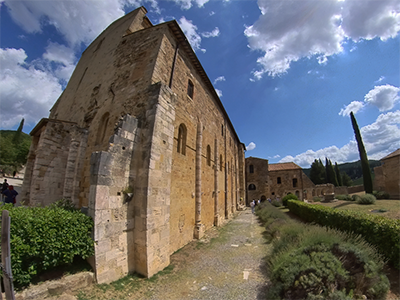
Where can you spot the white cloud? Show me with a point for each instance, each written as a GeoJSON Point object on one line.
{"type": "Point", "coordinates": [380, 138]}
{"type": "Point", "coordinates": [382, 78]}
{"type": "Point", "coordinates": [287, 31]}
{"type": "Point", "coordinates": [354, 107]}
{"type": "Point", "coordinates": [220, 78]}
{"type": "Point", "coordinates": [213, 33]}
{"type": "Point", "coordinates": [251, 146]}
{"type": "Point", "coordinates": [19, 92]}
{"type": "Point", "coordinates": [219, 92]}
{"type": "Point", "coordinates": [370, 19]}
{"type": "Point", "coordinates": [190, 30]}
{"type": "Point", "coordinates": [63, 57]}
{"type": "Point", "coordinates": [187, 4]}
{"type": "Point", "coordinates": [77, 21]}
{"type": "Point", "coordinates": [384, 97]}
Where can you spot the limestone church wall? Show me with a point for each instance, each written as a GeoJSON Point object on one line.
{"type": "Point", "coordinates": [139, 113]}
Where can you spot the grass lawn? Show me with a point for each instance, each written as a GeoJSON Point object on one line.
{"type": "Point", "coordinates": [387, 208]}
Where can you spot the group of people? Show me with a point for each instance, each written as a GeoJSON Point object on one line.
{"type": "Point", "coordinates": [8, 194]}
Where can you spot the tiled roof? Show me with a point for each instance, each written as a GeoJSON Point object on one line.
{"type": "Point", "coordinates": [283, 166]}
{"type": "Point", "coordinates": [393, 154]}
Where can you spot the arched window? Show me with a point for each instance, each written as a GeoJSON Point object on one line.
{"type": "Point", "coordinates": [102, 128]}
{"type": "Point", "coordinates": [190, 89]}
{"type": "Point", "coordinates": [252, 187]}
{"type": "Point", "coordinates": [182, 139]}
{"type": "Point", "coordinates": [251, 169]}
{"type": "Point", "coordinates": [220, 162]}
{"type": "Point", "coordinates": [208, 155]}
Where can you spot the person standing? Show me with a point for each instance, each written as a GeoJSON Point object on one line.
{"type": "Point", "coordinates": [11, 195]}
{"type": "Point", "coordinates": [253, 205]}
{"type": "Point", "coordinates": [3, 188]}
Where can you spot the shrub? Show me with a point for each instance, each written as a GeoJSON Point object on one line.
{"type": "Point", "coordinates": [288, 197]}
{"type": "Point", "coordinates": [316, 263]}
{"type": "Point", "coordinates": [343, 197]}
{"type": "Point", "coordinates": [381, 232]}
{"type": "Point", "coordinates": [276, 203]}
{"type": "Point", "coordinates": [317, 199]}
{"type": "Point", "coordinates": [355, 198]}
{"type": "Point", "coordinates": [366, 199]}
{"type": "Point", "coordinates": [66, 204]}
{"type": "Point", "coordinates": [42, 238]}
{"type": "Point", "coordinates": [381, 195]}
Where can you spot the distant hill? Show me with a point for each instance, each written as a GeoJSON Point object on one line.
{"type": "Point", "coordinates": [9, 134]}
{"type": "Point", "coordinates": [353, 169]}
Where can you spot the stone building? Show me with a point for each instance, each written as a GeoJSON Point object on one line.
{"type": "Point", "coordinates": [139, 137]}
{"type": "Point", "coordinates": [257, 179]}
{"type": "Point", "coordinates": [387, 176]}
{"type": "Point", "coordinates": [274, 181]}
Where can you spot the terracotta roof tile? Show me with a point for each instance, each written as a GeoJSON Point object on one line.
{"type": "Point", "coordinates": [393, 154]}
{"type": "Point", "coordinates": [283, 166]}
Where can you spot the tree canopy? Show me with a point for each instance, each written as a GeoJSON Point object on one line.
{"type": "Point", "coordinates": [14, 149]}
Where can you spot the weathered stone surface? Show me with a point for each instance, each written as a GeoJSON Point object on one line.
{"type": "Point", "coordinates": [57, 289]}
{"type": "Point", "coordinates": [116, 128]}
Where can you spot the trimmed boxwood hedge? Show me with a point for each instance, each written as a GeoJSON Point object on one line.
{"type": "Point", "coordinates": [42, 238]}
{"type": "Point", "coordinates": [381, 232]}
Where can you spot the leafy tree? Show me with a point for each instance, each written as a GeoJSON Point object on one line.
{"type": "Point", "coordinates": [337, 173]}
{"type": "Point", "coordinates": [346, 180]}
{"type": "Point", "coordinates": [13, 151]}
{"type": "Point", "coordinates": [367, 177]}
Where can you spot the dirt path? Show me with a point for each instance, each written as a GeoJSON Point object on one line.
{"type": "Point", "coordinates": [226, 264]}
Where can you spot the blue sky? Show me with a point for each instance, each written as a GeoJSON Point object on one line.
{"type": "Point", "coordinates": [288, 72]}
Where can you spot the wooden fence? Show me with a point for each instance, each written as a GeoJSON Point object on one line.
{"type": "Point", "coordinates": [6, 273]}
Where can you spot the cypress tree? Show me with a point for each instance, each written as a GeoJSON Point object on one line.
{"type": "Point", "coordinates": [17, 136]}
{"type": "Point", "coordinates": [328, 178]}
{"type": "Point", "coordinates": [315, 173]}
{"type": "Point", "coordinates": [333, 174]}
{"type": "Point", "coordinates": [367, 177]}
{"type": "Point", "coordinates": [322, 171]}
{"type": "Point", "coordinates": [338, 177]}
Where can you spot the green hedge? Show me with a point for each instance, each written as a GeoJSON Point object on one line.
{"type": "Point", "coordinates": [287, 198]}
{"type": "Point", "coordinates": [42, 238]}
{"type": "Point", "coordinates": [381, 232]}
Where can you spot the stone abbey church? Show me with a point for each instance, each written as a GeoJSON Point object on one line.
{"type": "Point", "coordinates": [140, 138]}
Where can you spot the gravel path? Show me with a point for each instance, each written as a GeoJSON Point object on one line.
{"type": "Point", "coordinates": [228, 263]}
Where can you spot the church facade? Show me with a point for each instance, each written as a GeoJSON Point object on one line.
{"type": "Point", "coordinates": [140, 138]}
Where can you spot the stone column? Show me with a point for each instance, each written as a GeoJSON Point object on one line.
{"type": "Point", "coordinates": [199, 228]}
{"type": "Point", "coordinates": [216, 162]}
{"type": "Point", "coordinates": [70, 170]}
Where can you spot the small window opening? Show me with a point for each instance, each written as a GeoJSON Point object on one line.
{"type": "Point", "coordinates": [220, 162]}
{"type": "Point", "coordinates": [190, 89]}
{"type": "Point", "coordinates": [278, 180]}
{"type": "Point", "coordinates": [222, 130]}
{"type": "Point", "coordinates": [294, 182]}
{"type": "Point", "coordinates": [181, 148]}
{"type": "Point", "coordinates": [251, 169]}
{"type": "Point", "coordinates": [208, 155]}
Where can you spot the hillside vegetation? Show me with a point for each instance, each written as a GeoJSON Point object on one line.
{"type": "Point", "coordinates": [14, 149]}
{"type": "Point", "coordinates": [353, 170]}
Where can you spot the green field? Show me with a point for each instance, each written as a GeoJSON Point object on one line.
{"type": "Point", "coordinates": [387, 208]}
